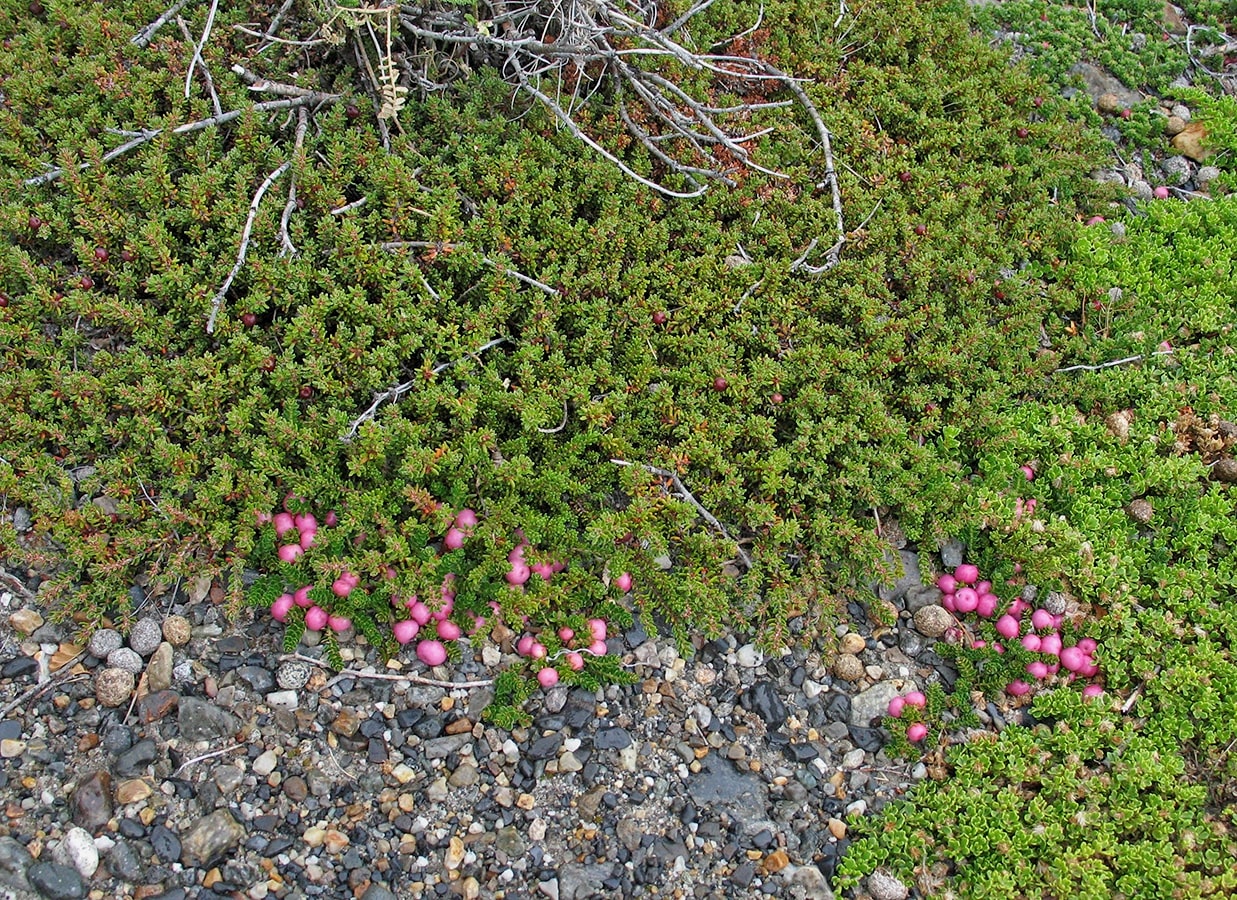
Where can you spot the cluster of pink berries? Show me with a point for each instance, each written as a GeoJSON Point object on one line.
{"type": "Point", "coordinates": [963, 592]}
{"type": "Point", "coordinates": [575, 646]}
{"type": "Point", "coordinates": [916, 731]}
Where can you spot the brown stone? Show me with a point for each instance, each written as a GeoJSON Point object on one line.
{"type": "Point", "coordinates": [113, 686]}
{"type": "Point", "coordinates": [346, 723]}
{"type": "Point", "coordinates": [132, 791]}
{"type": "Point", "coordinates": [1140, 511]}
{"type": "Point", "coordinates": [1174, 125]}
{"type": "Point", "coordinates": [1190, 142]}
{"type": "Point", "coordinates": [853, 643]}
{"type": "Point", "coordinates": [176, 630]}
{"type": "Point", "coordinates": [1173, 23]}
{"type": "Point", "coordinates": [154, 707]}
{"type": "Point", "coordinates": [26, 621]}
{"type": "Point", "coordinates": [1225, 470]}
{"type": "Point", "coordinates": [91, 803]}
{"type": "Point", "coordinates": [1108, 104]}
{"type": "Point", "coordinates": [295, 788]}
{"type": "Point", "coordinates": [933, 621]}
{"type": "Point", "coordinates": [776, 861]}
{"type": "Point", "coordinates": [459, 726]}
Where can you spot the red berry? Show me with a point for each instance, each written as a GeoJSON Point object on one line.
{"type": "Point", "coordinates": [306, 392]}
{"type": "Point", "coordinates": [659, 317]}
{"type": "Point", "coordinates": [249, 320]}
{"type": "Point", "coordinates": [352, 111]}
{"type": "Point", "coordinates": [100, 254]}
{"type": "Point", "coordinates": [776, 399]}
{"type": "Point", "coordinates": [4, 300]}
{"type": "Point", "coordinates": [35, 223]}
{"type": "Point", "coordinates": [720, 383]}
{"type": "Point", "coordinates": [969, 277]}
{"type": "Point", "coordinates": [921, 230]}
{"type": "Point", "coordinates": [268, 364]}
{"type": "Point", "coordinates": [1127, 113]}
{"type": "Point", "coordinates": [906, 177]}
{"type": "Point", "coordinates": [1038, 102]}
{"type": "Point", "coordinates": [1023, 133]}
{"type": "Point", "coordinates": [85, 283]}
{"type": "Point", "coordinates": [127, 255]}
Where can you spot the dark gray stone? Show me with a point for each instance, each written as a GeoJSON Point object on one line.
{"type": "Point", "coordinates": [260, 680]}
{"type": "Point", "coordinates": [165, 843]}
{"type": "Point", "coordinates": [201, 720]}
{"type": "Point", "coordinates": [544, 747]}
{"type": "Point", "coordinates": [612, 739]}
{"type": "Point", "coordinates": [135, 760]}
{"type": "Point", "coordinates": [15, 859]}
{"type": "Point", "coordinates": [767, 703]}
{"type": "Point", "coordinates": [123, 862]}
{"type": "Point", "coordinates": [56, 882]}
{"type": "Point", "coordinates": [19, 667]}
{"type": "Point", "coordinates": [377, 891]}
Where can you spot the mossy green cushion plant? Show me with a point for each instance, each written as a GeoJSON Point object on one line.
{"type": "Point", "coordinates": [789, 406]}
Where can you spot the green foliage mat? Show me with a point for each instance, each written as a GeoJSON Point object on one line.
{"type": "Point", "coordinates": [141, 443]}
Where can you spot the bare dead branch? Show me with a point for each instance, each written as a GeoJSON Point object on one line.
{"type": "Point", "coordinates": [312, 42]}
{"type": "Point", "coordinates": [1116, 362]}
{"type": "Point", "coordinates": [143, 137]}
{"type": "Point", "coordinates": [197, 50]}
{"type": "Point", "coordinates": [202, 67]}
{"type": "Point", "coordinates": [217, 302]}
{"type": "Point", "coordinates": [687, 495]}
{"type": "Point", "coordinates": [146, 35]}
{"type": "Point", "coordinates": [391, 395]}
{"type": "Point", "coordinates": [261, 85]}
{"type": "Point", "coordinates": [349, 207]}
{"type": "Point", "coordinates": [286, 247]}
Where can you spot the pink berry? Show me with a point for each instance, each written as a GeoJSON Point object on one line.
{"type": "Point", "coordinates": [1050, 644]}
{"type": "Point", "coordinates": [966, 600]}
{"type": "Point", "coordinates": [597, 627]}
{"type": "Point", "coordinates": [917, 732]}
{"type": "Point", "coordinates": [305, 521]}
{"type": "Point", "coordinates": [1092, 690]}
{"type": "Point", "coordinates": [547, 677]}
{"type": "Point", "coordinates": [948, 603]}
{"type": "Point", "coordinates": [339, 623]}
{"type": "Point", "coordinates": [1041, 620]}
{"type": "Point", "coordinates": [332, 519]}
{"type": "Point", "coordinates": [448, 630]}
{"type": "Point", "coordinates": [281, 606]}
{"type": "Point", "coordinates": [316, 618]}
{"type": "Point", "coordinates": [947, 583]}
{"type": "Point", "coordinates": [432, 653]}
{"type": "Point", "coordinates": [301, 597]}
{"type": "Point", "coordinates": [405, 630]}
{"type": "Point", "coordinates": [1037, 669]}
{"type": "Point", "coordinates": [1087, 645]}
{"type": "Point", "coordinates": [308, 536]}
{"type": "Point", "coordinates": [978, 644]}
{"type": "Point", "coordinates": [454, 539]}
{"type": "Point", "coordinates": [524, 646]}
{"type": "Point", "coordinates": [341, 586]}
{"type": "Point", "coordinates": [419, 612]}
{"type": "Point", "coordinates": [519, 574]}
{"type": "Point", "coordinates": [1017, 688]}
{"type": "Point", "coordinates": [465, 520]}
{"type": "Point", "coordinates": [597, 648]}
{"type": "Point", "coordinates": [1160, 193]}
{"type": "Point", "coordinates": [544, 570]}
{"type": "Point", "coordinates": [623, 582]}
{"type": "Point", "coordinates": [916, 699]}
{"type": "Point", "coordinates": [983, 587]}
{"type": "Point", "coordinates": [565, 634]}
{"type": "Point", "coordinates": [895, 706]}
{"type": "Point", "coordinates": [537, 650]}
{"type": "Point", "coordinates": [1007, 627]}
{"type": "Point", "coordinates": [283, 523]}
{"type": "Point", "coordinates": [967, 573]}
{"type": "Point", "coordinates": [290, 553]}
{"type": "Point", "coordinates": [1031, 642]}
{"type": "Point", "coordinates": [516, 555]}
{"type": "Point", "coordinates": [575, 660]}
{"type": "Point", "coordinates": [987, 605]}
{"type": "Point", "coordinates": [1073, 659]}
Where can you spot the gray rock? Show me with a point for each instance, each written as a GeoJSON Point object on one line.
{"type": "Point", "coordinates": [22, 522]}
{"type": "Point", "coordinates": [113, 686]}
{"type": "Point", "coordinates": [883, 886]}
{"type": "Point", "coordinates": [921, 595]}
{"type": "Point", "coordinates": [125, 658]}
{"type": "Point", "coordinates": [210, 839]}
{"type": "Point", "coordinates": [549, 888]}
{"type": "Point", "coordinates": [201, 720]}
{"type": "Point", "coordinates": [873, 702]}
{"type": "Point", "coordinates": [1054, 602]}
{"type": "Point", "coordinates": [442, 747]}
{"type": "Point", "coordinates": [1176, 170]}
{"type": "Point", "coordinates": [15, 859]}
{"type": "Point", "coordinates": [555, 699]}
{"type": "Point", "coordinates": [1096, 82]}
{"type": "Point", "coordinates": [135, 760]}
{"type": "Point", "coordinates": [581, 882]}
{"type": "Point", "coordinates": [465, 775]}
{"type": "Point", "coordinates": [510, 841]}
{"type": "Point", "coordinates": [159, 669]}
{"type": "Point", "coordinates": [905, 564]}
{"type": "Point", "coordinates": [146, 636]}
{"type": "Point", "coordinates": [951, 554]}
{"type": "Point", "coordinates": [103, 642]}
{"type": "Point", "coordinates": [740, 793]}
{"type": "Point", "coordinates": [56, 882]}
{"type": "Point", "coordinates": [123, 862]}
{"type": "Point", "coordinates": [377, 891]}
{"type": "Point", "coordinates": [1206, 175]}
{"type": "Point", "coordinates": [811, 881]}
{"type": "Point", "coordinates": [749, 656]}
{"type": "Point", "coordinates": [1182, 112]}
{"type": "Point", "coordinates": [612, 739]}
{"type": "Point", "coordinates": [282, 699]}
{"type": "Point", "coordinates": [259, 679]}
{"type": "Point", "coordinates": [292, 675]}
{"type": "Point", "coordinates": [1142, 190]}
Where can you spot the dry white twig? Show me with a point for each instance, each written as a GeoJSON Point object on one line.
{"type": "Point", "coordinates": [217, 301]}
{"type": "Point", "coordinates": [146, 35]}
{"type": "Point", "coordinates": [1115, 362]}
{"type": "Point", "coordinates": [286, 247]}
{"type": "Point", "coordinates": [393, 394]}
{"type": "Point", "coordinates": [349, 207]}
{"type": "Point", "coordinates": [201, 64]}
{"type": "Point", "coordinates": [384, 676]}
{"type": "Point", "coordinates": [687, 495]}
{"type": "Point", "coordinates": [222, 751]}
{"type": "Point", "coordinates": [197, 50]}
